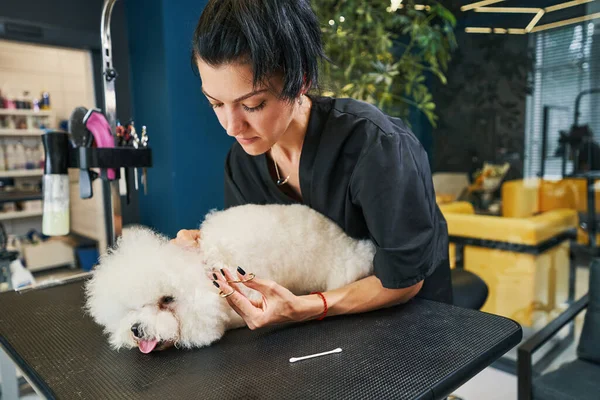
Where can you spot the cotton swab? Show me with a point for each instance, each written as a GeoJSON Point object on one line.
{"type": "Point", "coordinates": [294, 359]}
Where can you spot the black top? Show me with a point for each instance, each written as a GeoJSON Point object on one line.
{"type": "Point", "coordinates": [369, 173]}
{"type": "Point", "coordinates": [419, 350]}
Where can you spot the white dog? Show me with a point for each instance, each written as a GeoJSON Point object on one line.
{"type": "Point", "coordinates": [151, 294]}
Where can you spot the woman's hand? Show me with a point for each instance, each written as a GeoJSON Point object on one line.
{"type": "Point", "coordinates": [277, 305]}
{"type": "Point", "coordinates": [187, 238]}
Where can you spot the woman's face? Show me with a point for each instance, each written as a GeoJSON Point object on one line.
{"type": "Point", "coordinates": [255, 117]}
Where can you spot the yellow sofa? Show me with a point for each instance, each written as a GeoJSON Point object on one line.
{"type": "Point", "coordinates": [524, 261]}
{"type": "Point", "coordinates": [526, 197]}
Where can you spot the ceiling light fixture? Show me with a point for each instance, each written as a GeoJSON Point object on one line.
{"type": "Point", "coordinates": [520, 10]}
{"type": "Point", "coordinates": [478, 30]}
{"type": "Point", "coordinates": [566, 5]}
{"type": "Point", "coordinates": [534, 21]}
{"type": "Point", "coordinates": [565, 22]}
{"type": "Point", "coordinates": [479, 4]}
{"type": "Point", "coordinates": [531, 27]}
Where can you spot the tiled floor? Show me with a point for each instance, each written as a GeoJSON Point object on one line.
{"type": "Point", "coordinates": [489, 384]}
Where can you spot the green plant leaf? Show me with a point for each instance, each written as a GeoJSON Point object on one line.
{"type": "Point", "coordinates": [444, 13]}
{"type": "Point", "coordinates": [382, 57]}
{"type": "Point", "coordinates": [348, 87]}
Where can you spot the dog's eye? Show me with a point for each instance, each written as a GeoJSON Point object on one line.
{"type": "Point", "coordinates": [167, 299]}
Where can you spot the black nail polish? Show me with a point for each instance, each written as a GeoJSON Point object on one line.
{"type": "Point", "coordinates": [222, 272]}
{"type": "Point", "coordinates": [216, 284]}
{"type": "Point", "coordinates": [241, 271]}
{"type": "Point", "coordinates": [215, 276]}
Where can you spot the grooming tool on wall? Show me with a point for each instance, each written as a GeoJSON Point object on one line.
{"type": "Point", "coordinates": [123, 138]}
{"type": "Point", "coordinates": [80, 134]}
{"type": "Point", "coordinates": [125, 183]}
{"type": "Point", "coordinates": [81, 137]}
{"type": "Point", "coordinates": [135, 140]}
{"type": "Point", "coordinates": [121, 131]}
{"type": "Point", "coordinates": [144, 143]}
{"type": "Point", "coordinates": [132, 140]}
{"type": "Point", "coordinates": [90, 128]}
{"type": "Point", "coordinates": [127, 136]}
{"type": "Point", "coordinates": [144, 137]}
{"type": "Point", "coordinates": [97, 123]}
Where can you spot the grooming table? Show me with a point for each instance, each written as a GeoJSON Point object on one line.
{"type": "Point", "coordinates": [420, 350]}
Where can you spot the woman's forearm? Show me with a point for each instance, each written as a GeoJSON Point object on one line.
{"type": "Point", "coordinates": [364, 295]}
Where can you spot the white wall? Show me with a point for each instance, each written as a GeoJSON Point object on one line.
{"type": "Point", "coordinates": [63, 72]}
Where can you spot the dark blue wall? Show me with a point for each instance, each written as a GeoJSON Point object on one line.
{"type": "Point", "coordinates": [189, 145]}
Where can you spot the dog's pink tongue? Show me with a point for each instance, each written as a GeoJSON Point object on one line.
{"type": "Point", "coordinates": [146, 346]}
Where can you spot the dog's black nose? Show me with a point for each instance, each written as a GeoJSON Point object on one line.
{"type": "Point", "coordinates": [137, 331]}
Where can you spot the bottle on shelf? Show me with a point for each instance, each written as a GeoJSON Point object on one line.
{"type": "Point", "coordinates": [27, 100]}
{"type": "Point", "coordinates": [10, 122]}
{"type": "Point", "coordinates": [21, 160]}
{"type": "Point", "coordinates": [10, 157]}
{"type": "Point", "coordinates": [35, 157]}
{"type": "Point", "coordinates": [19, 103]}
{"type": "Point", "coordinates": [9, 102]}
{"type": "Point", "coordinates": [41, 155]}
{"type": "Point", "coordinates": [29, 162]}
{"type": "Point", "coordinates": [21, 122]}
{"type": "Point", "coordinates": [2, 158]}
{"type": "Point", "coordinates": [45, 101]}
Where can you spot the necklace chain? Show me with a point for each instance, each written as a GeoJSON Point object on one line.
{"type": "Point", "coordinates": [280, 182]}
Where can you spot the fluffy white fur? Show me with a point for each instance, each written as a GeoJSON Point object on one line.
{"type": "Point", "coordinates": [293, 245]}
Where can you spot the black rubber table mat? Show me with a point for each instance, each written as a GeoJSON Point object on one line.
{"type": "Point", "coordinates": [421, 350]}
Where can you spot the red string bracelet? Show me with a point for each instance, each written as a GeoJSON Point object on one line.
{"type": "Point", "coordinates": [325, 308]}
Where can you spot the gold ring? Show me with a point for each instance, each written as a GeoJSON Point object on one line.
{"type": "Point", "coordinates": [223, 295]}
{"type": "Point", "coordinates": [250, 277]}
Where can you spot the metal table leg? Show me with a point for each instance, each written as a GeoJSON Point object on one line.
{"type": "Point", "coordinates": [591, 197]}
{"type": "Point", "coordinates": [8, 373]}
{"type": "Point", "coordinates": [572, 275]}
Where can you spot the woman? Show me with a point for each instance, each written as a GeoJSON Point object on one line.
{"type": "Point", "coordinates": [344, 158]}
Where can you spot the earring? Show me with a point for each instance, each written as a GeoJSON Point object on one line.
{"type": "Point", "coordinates": [300, 99]}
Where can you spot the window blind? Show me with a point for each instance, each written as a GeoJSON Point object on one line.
{"type": "Point", "coordinates": [567, 62]}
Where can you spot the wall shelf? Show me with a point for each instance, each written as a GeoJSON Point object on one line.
{"type": "Point", "coordinates": [21, 132]}
{"type": "Point", "coordinates": [26, 113]}
{"type": "Point", "coordinates": [18, 173]}
{"type": "Point", "coordinates": [20, 195]}
{"type": "Point", "coordinates": [19, 214]}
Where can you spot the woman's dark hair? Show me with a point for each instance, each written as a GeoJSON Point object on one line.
{"type": "Point", "coordinates": [273, 36]}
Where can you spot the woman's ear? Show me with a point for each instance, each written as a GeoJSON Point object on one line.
{"type": "Point", "coordinates": [305, 86]}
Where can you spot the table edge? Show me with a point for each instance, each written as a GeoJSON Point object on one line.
{"type": "Point", "coordinates": [444, 388]}
{"type": "Point", "coordinates": [32, 377]}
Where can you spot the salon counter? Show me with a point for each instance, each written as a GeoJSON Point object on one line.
{"type": "Point", "coordinates": [420, 350]}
